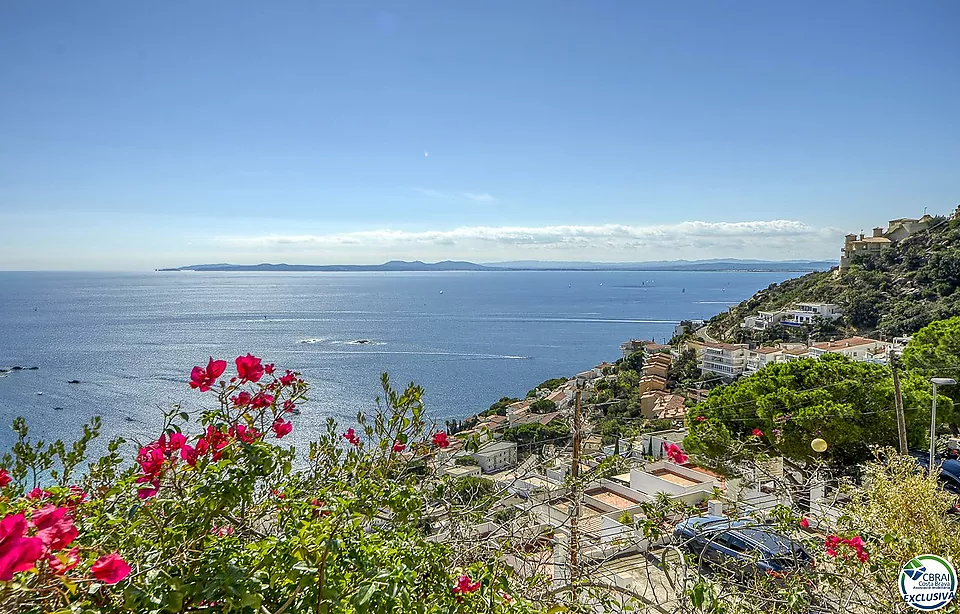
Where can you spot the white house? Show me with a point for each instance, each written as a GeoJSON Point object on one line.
{"type": "Point", "coordinates": [724, 359]}
{"type": "Point", "coordinates": [496, 456]}
{"type": "Point", "coordinates": [856, 348]}
{"type": "Point", "coordinates": [800, 315]}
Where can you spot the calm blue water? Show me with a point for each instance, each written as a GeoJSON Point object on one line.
{"type": "Point", "coordinates": [132, 338]}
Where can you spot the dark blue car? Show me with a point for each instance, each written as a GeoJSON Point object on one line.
{"type": "Point", "coordinates": [741, 544]}
{"type": "Point", "coordinates": [949, 470]}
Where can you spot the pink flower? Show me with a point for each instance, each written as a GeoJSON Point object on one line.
{"type": "Point", "coordinates": [242, 399]}
{"type": "Point", "coordinates": [145, 492]}
{"type": "Point", "coordinates": [352, 437]}
{"type": "Point", "coordinates": [4, 478]}
{"type": "Point", "coordinates": [441, 440]}
{"type": "Point", "coordinates": [804, 523]}
{"type": "Point", "coordinates": [268, 369]}
{"type": "Point", "coordinates": [249, 368]}
{"type": "Point", "coordinates": [38, 493]}
{"type": "Point", "coordinates": [17, 552]}
{"type": "Point", "coordinates": [398, 447]}
{"type": "Point", "coordinates": [177, 441]}
{"type": "Point", "coordinates": [151, 461]}
{"type": "Point", "coordinates": [757, 433]}
{"type": "Point", "coordinates": [674, 453]}
{"type": "Point", "coordinates": [288, 378]}
{"type": "Point", "coordinates": [63, 562]}
{"type": "Point", "coordinates": [222, 531]}
{"type": "Point", "coordinates": [289, 406]}
{"type": "Point", "coordinates": [281, 428]}
{"type": "Point", "coordinates": [261, 400]}
{"type": "Point", "coordinates": [110, 569]}
{"type": "Point", "coordinates": [204, 379]}
{"type": "Point", "coordinates": [465, 586]}
{"type": "Point", "coordinates": [54, 527]}
{"type": "Point", "coordinates": [700, 418]}
{"type": "Point", "coordinates": [278, 494]}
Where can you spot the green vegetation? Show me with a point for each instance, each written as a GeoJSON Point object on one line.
{"type": "Point", "coordinates": [465, 461]}
{"type": "Point", "coordinates": [849, 404]}
{"type": "Point", "coordinates": [934, 351]}
{"type": "Point", "coordinates": [543, 406]}
{"type": "Point", "coordinates": [471, 491]}
{"type": "Point", "coordinates": [534, 434]}
{"type": "Point", "coordinates": [897, 291]}
{"type": "Point", "coordinates": [500, 407]}
{"type": "Point", "coordinates": [550, 384]}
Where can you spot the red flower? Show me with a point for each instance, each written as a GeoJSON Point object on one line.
{"type": "Point", "coordinates": [352, 437]}
{"type": "Point", "coordinates": [245, 434]}
{"type": "Point", "coordinates": [204, 379]}
{"type": "Point", "coordinates": [757, 433]}
{"type": "Point", "coordinates": [261, 400]}
{"type": "Point", "coordinates": [288, 378]}
{"type": "Point", "coordinates": [398, 447]}
{"type": "Point", "coordinates": [674, 453]}
{"type": "Point", "coordinates": [281, 428]}
{"type": "Point", "coordinates": [241, 399]}
{"type": "Point", "coordinates": [76, 496]}
{"type": "Point", "coordinates": [38, 493]}
{"type": "Point", "coordinates": [17, 552]}
{"type": "Point", "coordinates": [110, 569]}
{"type": "Point", "coordinates": [268, 369]}
{"type": "Point", "coordinates": [222, 531]}
{"type": "Point", "coordinates": [833, 542]}
{"type": "Point", "coordinates": [4, 478]}
{"type": "Point", "coordinates": [804, 523]}
{"type": "Point", "coordinates": [278, 494]}
{"type": "Point", "coordinates": [465, 586]}
{"type": "Point", "coordinates": [441, 440]}
{"type": "Point", "coordinates": [63, 562]}
{"type": "Point", "coordinates": [289, 406]}
{"type": "Point", "coordinates": [249, 368]}
{"type": "Point", "coordinates": [700, 418]}
{"type": "Point", "coordinates": [54, 527]}
{"type": "Point", "coordinates": [189, 454]}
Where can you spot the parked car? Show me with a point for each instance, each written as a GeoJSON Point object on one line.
{"type": "Point", "coordinates": [741, 544]}
{"type": "Point", "coordinates": [949, 470]}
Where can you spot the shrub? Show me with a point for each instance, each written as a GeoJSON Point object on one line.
{"type": "Point", "coordinates": [217, 515]}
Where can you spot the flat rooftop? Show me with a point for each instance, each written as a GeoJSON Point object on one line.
{"type": "Point", "coordinates": [609, 497]}
{"type": "Point", "coordinates": [674, 478]}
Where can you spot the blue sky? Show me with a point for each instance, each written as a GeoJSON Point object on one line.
{"type": "Point", "coordinates": [137, 135]}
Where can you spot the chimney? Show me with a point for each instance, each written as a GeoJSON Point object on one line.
{"type": "Point", "coordinates": [878, 232]}
{"type": "Point", "coordinates": [861, 236]}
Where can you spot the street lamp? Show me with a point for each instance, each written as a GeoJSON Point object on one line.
{"type": "Point", "coordinates": [936, 381]}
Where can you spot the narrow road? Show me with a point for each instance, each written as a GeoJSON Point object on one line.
{"type": "Point", "coordinates": [703, 334]}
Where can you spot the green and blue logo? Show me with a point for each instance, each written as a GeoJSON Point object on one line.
{"type": "Point", "coordinates": [928, 582]}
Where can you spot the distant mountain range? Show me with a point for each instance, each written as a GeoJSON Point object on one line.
{"type": "Point", "coordinates": [533, 265]}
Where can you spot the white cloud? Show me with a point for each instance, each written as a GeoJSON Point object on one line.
{"type": "Point", "coordinates": [480, 198]}
{"type": "Point", "coordinates": [775, 239]}
{"type": "Point", "coordinates": [477, 197]}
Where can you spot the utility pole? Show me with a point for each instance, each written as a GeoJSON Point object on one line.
{"type": "Point", "coordinates": [898, 402]}
{"type": "Point", "coordinates": [575, 496]}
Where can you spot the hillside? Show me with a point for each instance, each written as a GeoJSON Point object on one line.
{"type": "Point", "coordinates": [895, 292]}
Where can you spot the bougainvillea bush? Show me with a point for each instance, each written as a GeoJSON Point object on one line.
{"type": "Point", "coordinates": [217, 514]}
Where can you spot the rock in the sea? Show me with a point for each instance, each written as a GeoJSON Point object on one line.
{"type": "Point", "coordinates": [362, 341]}
{"type": "Point", "coordinates": [74, 381]}
{"type": "Point", "coordinates": [57, 408]}
{"type": "Point", "coordinates": [17, 368]}
{"type": "Point", "coordinates": [33, 368]}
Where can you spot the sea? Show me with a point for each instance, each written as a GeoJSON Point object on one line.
{"type": "Point", "coordinates": [468, 338]}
